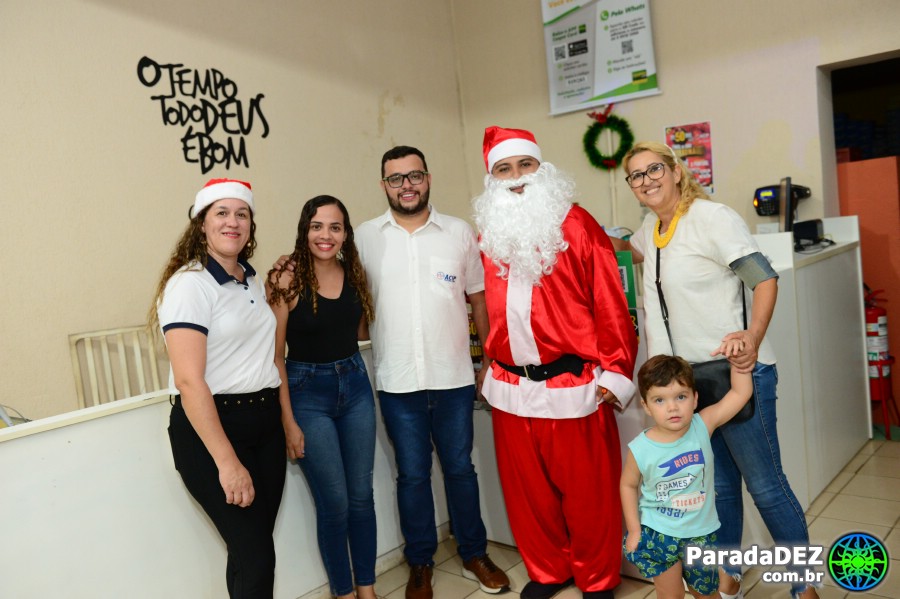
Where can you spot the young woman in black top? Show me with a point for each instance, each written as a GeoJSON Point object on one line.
{"type": "Point", "coordinates": [322, 309]}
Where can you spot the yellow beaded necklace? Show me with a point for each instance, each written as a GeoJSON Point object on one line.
{"type": "Point", "coordinates": [662, 241]}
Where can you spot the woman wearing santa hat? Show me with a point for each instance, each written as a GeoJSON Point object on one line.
{"type": "Point", "coordinates": [225, 425]}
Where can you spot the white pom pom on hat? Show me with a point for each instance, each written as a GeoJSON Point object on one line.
{"type": "Point", "coordinates": [221, 189]}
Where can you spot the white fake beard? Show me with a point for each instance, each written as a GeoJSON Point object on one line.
{"type": "Point", "coordinates": [523, 232]}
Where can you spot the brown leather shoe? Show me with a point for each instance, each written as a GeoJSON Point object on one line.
{"type": "Point", "coordinates": [420, 583]}
{"type": "Point", "coordinates": [490, 578]}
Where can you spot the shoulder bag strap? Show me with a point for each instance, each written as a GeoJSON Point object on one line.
{"type": "Point", "coordinates": [662, 304]}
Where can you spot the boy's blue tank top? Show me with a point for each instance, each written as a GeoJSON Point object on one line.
{"type": "Point", "coordinates": [677, 488]}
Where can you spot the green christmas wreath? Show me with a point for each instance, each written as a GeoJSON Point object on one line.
{"type": "Point", "coordinates": [615, 124]}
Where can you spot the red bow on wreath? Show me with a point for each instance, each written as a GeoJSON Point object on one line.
{"type": "Point", "coordinates": [600, 117]}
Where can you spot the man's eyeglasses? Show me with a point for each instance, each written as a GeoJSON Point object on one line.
{"type": "Point", "coordinates": [654, 172]}
{"type": "Point", "coordinates": [415, 177]}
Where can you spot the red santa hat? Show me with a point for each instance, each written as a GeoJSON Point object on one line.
{"type": "Point", "coordinates": [500, 143]}
{"type": "Point", "coordinates": [221, 189]}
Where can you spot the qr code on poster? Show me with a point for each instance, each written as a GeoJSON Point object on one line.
{"type": "Point", "coordinates": [559, 52]}
{"type": "Point", "coordinates": [627, 46]}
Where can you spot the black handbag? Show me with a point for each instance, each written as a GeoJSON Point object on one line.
{"type": "Point", "coordinates": [712, 379]}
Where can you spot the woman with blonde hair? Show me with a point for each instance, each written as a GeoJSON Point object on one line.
{"type": "Point", "coordinates": [704, 257]}
{"type": "Point", "coordinates": [225, 424]}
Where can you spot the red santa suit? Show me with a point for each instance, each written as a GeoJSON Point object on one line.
{"type": "Point", "coordinates": [558, 453]}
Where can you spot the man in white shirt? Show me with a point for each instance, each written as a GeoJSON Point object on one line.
{"type": "Point", "coordinates": [421, 267]}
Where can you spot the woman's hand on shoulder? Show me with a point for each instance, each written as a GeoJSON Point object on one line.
{"type": "Point", "coordinates": [279, 279]}
{"type": "Point", "coordinates": [277, 284]}
{"type": "Point", "coordinates": [237, 484]}
{"type": "Point", "coordinates": [284, 263]}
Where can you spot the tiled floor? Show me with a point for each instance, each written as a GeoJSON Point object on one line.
{"type": "Point", "coordinates": [864, 497]}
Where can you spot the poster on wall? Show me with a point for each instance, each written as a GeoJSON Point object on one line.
{"type": "Point", "coordinates": [693, 144]}
{"type": "Point", "coordinates": [598, 52]}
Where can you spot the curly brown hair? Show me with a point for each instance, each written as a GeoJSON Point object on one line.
{"type": "Point", "coordinates": [191, 249]}
{"type": "Point", "coordinates": [304, 279]}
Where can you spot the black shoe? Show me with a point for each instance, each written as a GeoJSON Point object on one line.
{"type": "Point", "coordinates": [597, 594]}
{"type": "Point", "coordinates": [540, 590]}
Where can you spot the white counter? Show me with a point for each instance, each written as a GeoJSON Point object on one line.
{"type": "Point", "coordinates": [818, 334]}
{"type": "Point", "coordinates": [93, 507]}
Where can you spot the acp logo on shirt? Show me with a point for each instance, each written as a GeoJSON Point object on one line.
{"type": "Point", "coordinates": [445, 277]}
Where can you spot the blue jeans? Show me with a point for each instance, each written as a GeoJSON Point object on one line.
{"type": "Point", "coordinates": [750, 450]}
{"type": "Point", "coordinates": [414, 421]}
{"type": "Point", "coordinates": [335, 408]}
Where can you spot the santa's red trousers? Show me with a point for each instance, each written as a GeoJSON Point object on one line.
{"type": "Point", "coordinates": [560, 481]}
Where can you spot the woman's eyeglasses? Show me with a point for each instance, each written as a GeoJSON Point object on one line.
{"type": "Point", "coordinates": [654, 172]}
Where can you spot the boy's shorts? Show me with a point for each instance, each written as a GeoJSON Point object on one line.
{"type": "Point", "coordinates": [657, 552]}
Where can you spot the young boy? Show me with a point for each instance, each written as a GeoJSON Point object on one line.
{"type": "Point", "coordinates": [667, 486]}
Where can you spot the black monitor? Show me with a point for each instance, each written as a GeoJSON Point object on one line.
{"type": "Point", "coordinates": [787, 205]}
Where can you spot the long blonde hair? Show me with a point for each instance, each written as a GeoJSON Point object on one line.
{"type": "Point", "coordinates": [688, 186]}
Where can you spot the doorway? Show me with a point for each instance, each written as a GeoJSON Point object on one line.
{"type": "Point", "coordinates": [866, 115]}
{"type": "Point", "coordinates": [866, 105]}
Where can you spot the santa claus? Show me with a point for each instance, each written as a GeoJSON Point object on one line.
{"type": "Point", "coordinates": [563, 350]}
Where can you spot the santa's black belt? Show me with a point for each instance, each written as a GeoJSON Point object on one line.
{"type": "Point", "coordinates": [541, 372]}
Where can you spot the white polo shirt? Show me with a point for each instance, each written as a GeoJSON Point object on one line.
{"type": "Point", "coordinates": [238, 324]}
{"type": "Point", "coordinates": [701, 291]}
{"type": "Point", "coordinates": [419, 282]}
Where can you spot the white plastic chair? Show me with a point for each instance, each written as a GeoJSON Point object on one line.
{"type": "Point", "coordinates": [115, 364]}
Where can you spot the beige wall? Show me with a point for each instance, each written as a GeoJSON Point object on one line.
{"type": "Point", "coordinates": [97, 189]}
{"type": "Point", "coordinates": [96, 186]}
{"type": "Point", "coordinates": [750, 68]}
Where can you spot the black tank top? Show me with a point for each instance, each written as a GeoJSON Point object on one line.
{"type": "Point", "coordinates": [330, 334]}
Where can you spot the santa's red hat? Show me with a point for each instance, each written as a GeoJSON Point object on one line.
{"type": "Point", "coordinates": [221, 189]}
{"type": "Point", "coordinates": [500, 143]}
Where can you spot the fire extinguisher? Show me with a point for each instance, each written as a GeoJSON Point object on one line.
{"type": "Point", "coordinates": [877, 344]}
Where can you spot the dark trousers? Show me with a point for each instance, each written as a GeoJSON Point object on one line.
{"type": "Point", "coordinates": [257, 436]}
{"type": "Point", "coordinates": [415, 422]}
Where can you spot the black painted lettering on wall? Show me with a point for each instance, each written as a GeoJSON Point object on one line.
{"type": "Point", "coordinates": [206, 106]}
